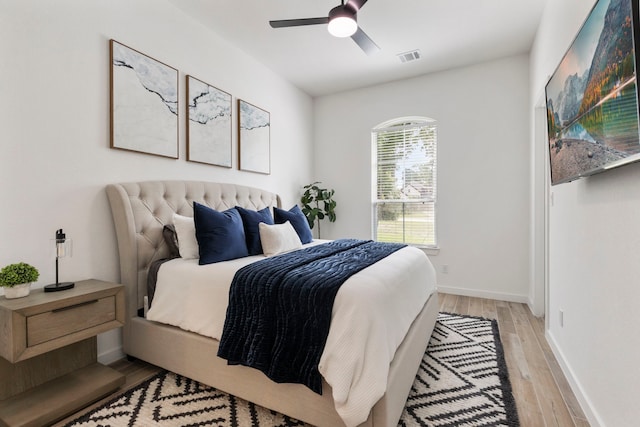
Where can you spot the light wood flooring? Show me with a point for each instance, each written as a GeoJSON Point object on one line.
{"type": "Point", "coordinates": [542, 394]}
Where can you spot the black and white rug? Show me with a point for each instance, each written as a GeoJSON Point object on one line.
{"type": "Point", "coordinates": [463, 378]}
{"type": "Point", "coordinates": [462, 381]}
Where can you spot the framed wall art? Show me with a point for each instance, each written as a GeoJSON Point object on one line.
{"type": "Point", "coordinates": [208, 124]}
{"type": "Point", "coordinates": [254, 127]}
{"type": "Point", "coordinates": [144, 103]}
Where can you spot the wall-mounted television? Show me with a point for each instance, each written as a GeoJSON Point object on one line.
{"type": "Point", "coordinates": [592, 97]}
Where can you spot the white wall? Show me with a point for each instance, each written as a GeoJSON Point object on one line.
{"type": "Point", "coordinates": [483, 168]}
{"type": "Point", "coordinates": [55, 158]}
{"type": "Point", "coordinates": [594, 262]}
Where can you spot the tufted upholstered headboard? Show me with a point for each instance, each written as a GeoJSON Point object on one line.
{"type": "Point", "coordinates": [141, 209]}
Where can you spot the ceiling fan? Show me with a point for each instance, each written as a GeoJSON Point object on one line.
{"type": "Point", "coordinates": [342, 22]}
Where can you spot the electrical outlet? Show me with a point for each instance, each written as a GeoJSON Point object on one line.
{"type": "Point", "coordinates": [561, 318]}
{"type": "Point", "coordinates": [445, 269]}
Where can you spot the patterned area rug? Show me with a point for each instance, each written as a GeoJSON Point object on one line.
{"type": "Point", "coordinates": [463, 378]}
{"type": "Point", "coordinates": [462, 381]}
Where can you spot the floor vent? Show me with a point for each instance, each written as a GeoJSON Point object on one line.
{"type": "Point", "coordinates": [409, 56]}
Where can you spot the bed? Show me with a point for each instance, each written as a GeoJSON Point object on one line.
{"type": "Point", "coordinates": [140, 211]}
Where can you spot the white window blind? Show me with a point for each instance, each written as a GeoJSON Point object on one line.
{"type": "Point", "coordinates": [405, 182]}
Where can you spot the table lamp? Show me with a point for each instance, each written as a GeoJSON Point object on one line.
{"type": "Point", "coordinates": [62, 249]}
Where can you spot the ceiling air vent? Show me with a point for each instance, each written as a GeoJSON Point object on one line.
{"type": "Point", "coordinates": [409, 56]}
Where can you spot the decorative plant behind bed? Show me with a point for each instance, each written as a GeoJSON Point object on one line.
{"type": "Point", "coordinates": [318, 203]}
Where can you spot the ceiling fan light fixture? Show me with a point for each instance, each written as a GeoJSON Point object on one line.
{"type": "Point", "coordinates": [342, 22]}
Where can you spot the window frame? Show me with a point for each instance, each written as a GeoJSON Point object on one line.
{"type": "Point", "coordinates": [404, 124]}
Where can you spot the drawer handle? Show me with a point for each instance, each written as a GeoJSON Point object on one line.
{"type": "Point", "coordinates": [57, 310]}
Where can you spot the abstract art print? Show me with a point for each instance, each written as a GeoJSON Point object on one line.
{"type": "Point", "coordinates": [144, 103]}
{"type": "Point", "coordinates": [209, 124]}
{"type": "Point", "coordinates": [254, 138]}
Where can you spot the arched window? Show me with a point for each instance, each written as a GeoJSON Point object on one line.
{"type": "Point", "coordinates": [404, 181]}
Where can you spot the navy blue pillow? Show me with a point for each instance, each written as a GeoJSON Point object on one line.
{"type": "Point", "coordinates": [220, 235]}
{"type": "Point", "coordinates": [297, 219]}
{"type": "Point", "coordinates": [251, 219]}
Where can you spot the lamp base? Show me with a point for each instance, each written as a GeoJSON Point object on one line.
{"type": "Point", "coordinates": [55, 287]}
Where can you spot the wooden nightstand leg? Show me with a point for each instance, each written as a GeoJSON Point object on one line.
{"type": "Point", "coordinates": [48, 387]}
{"type": "Point", "coordinates": [60, 397]}
{"type": "Point", "coordinates": [18, 377]}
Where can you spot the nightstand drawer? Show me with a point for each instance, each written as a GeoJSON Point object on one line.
{"type": "Point", "coordinates": [67, 320]}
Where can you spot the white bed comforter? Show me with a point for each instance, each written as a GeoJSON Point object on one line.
{"type": "Point", "coordinates": [372, 313]}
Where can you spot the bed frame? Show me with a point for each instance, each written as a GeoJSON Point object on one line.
{"type": "Point", "coordinates": [140, 211]}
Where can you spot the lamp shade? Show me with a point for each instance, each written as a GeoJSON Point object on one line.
{"type": "Point", "coordinates": [342, 22]}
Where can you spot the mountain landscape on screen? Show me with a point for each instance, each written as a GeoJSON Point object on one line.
{"type": "Point", "coordinates": [592, 103]}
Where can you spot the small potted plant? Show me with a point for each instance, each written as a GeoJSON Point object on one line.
{"type": "Point", "coordinates": [16, 279]}
{"type": "Point", "coordinates": [311, 208]}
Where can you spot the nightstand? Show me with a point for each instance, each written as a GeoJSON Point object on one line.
{"type": "Point", "coordinates": [48, 364]}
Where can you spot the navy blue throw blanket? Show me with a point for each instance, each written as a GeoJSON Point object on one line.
{"type": "Point", "coordinates": [279, 309]}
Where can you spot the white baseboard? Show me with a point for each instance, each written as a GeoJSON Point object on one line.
{"type": "Point", "coordinates": [532, 307]}
{"type": "Point", "coordinates": [583, 400]}
{"type": "Point", "coordinates": [483, 294]}
{"type": "Point", "coordinates": [111, 356]}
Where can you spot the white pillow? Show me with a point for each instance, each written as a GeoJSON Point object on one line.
{"type": "Point", "coordinates": [186, 232]}
{"type": "Point", "coordinates": [278, 238]}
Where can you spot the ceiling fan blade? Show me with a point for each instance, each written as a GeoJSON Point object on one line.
{"type": "Point", "coordinates": [356, 4]}
{"type": "Point", "coordinates": [365, 42]}
{"type": "Point", "coordinates": [298, 22]}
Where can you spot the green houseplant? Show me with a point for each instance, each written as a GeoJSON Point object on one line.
{"type": "Point", "coordinates": [318, 203]}
{"type": "Point", "coordinates": [17, 279]}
